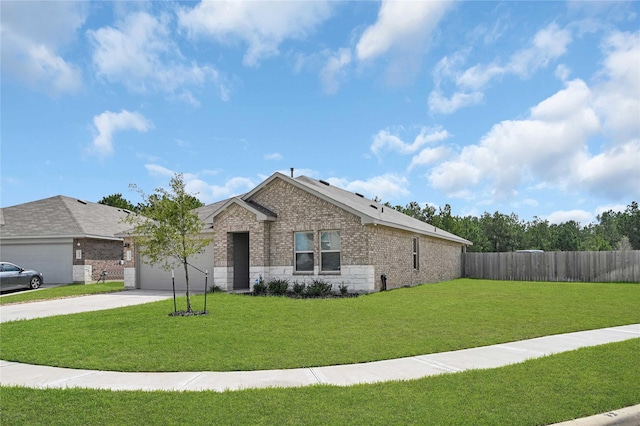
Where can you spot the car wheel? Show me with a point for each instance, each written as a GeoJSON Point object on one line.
{"type": "Point", "coordinates": [35, 282]}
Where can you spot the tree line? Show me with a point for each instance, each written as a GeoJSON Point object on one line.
{"type": "Point", "coordinates": [500, 232]}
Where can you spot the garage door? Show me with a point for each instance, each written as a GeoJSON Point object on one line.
{"type": "Point", "coordinates": [156, 278]}
{"type": "Point", "coordinates": [53, 260]}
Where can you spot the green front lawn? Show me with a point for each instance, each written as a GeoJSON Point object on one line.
{"type": "Point", "coordinates": [70, 290]}
{"type": "Point", "coordinates": [537, 392]}
{"type": "Point", "coordinates": [251, 333]}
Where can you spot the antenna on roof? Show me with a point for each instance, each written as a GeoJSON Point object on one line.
{"type": "Point", "coordinates": [291, 171]}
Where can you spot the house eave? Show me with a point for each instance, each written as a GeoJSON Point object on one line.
{"type": "Point", "coordinates": [260, 216]}
{"type": "Point", "coordinates": [59, 237]}
{"type": "Point", "coordinates": [440, 236]}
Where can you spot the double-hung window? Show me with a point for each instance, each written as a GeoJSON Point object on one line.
{"type": "Point", "coordinates": [416, 254]}
{"type": "Point", "coordinates": [330, 247]}
{"type": "Point", "coordinates": [303, 242]}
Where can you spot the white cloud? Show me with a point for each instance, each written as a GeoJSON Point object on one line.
{"type": "Point", "coordinates": [387, 187]}
{"type": "Point", "coordinates": [108, 123]}
{"type": "Point", "coordinates": [401, 25]}
{"type": "Point", "coordinates": [32, 35]}
{"type": "Point", "coordinates": [429, 156]}
{"type": "Point", "coordinates": [263, 26]}
{"type": "Point", "coordinates": [204, 191]}
{"type": "Point", "coordinates": [614, 173]}
{"type": "Point", "coordinates": [275, 156]}
{"type": "Point", "coordinates": [549, 146]}
{"type": "Point", "coordinates": [386, 141]}
{"type": "Point", "coordinates": [553, 148]}
{"type": "Point", "coordinates": [334, 70]}
{"type": "Point", "coordinates": [139, 53]}
{"type": "Point", "coordinates": [618, 96]}
{"type": "Point", "coordinates": [547, 45]}
{"type": "Point", "coordinates": [613, 207]}
{"type": "Point", "coordinates": [443, 105]}
{"type": "Point", "coordinates": [563, 216]}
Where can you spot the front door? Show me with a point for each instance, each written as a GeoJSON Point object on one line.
{"type": "Point", "coordinates": [241, 261]}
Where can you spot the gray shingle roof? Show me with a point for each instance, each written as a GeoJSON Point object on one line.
{"type": "Point", "coordinates": [369, 211]}
{"type": "Point", "coordinates": [372, 212]}
{"type": "Point", "coordinates": [62, 216]}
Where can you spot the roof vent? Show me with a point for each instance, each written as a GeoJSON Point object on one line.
{"type": "Point", "coordinates": [375, 207]}
{"type": "Point", "coordinates": [82, 202]}
{"type": "Point", "coordinates": [324, 182]}
{"type": "Point", "coordinates": [360, 195]}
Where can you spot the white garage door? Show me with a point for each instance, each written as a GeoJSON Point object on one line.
{"type": "Point", "coordinates": [156, 278]}
{"type": "Point", "coordinates": [53, 260]}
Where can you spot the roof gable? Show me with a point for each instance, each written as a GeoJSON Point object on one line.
{"type": "Point", "coordinates": [369, 211]}
{"type": "Point", "coordinates": [262, 213]}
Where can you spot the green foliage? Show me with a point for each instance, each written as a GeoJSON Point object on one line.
{"type": "Point", "coordinates": [298, 288]}
{"type": "Point", "coordinates": [499, 232]}
{"type": "Point", "coordinates": [278, 287]}
{"type": "Point", "coordinates": [318, 288]}
{"type": "Point", "coordinates": [117, 200]}
{"type": "Point", "coordinates": [260, 287]}
{"type": "Point", "coordinates": [169, 232]}
{"type": "Point", "coordinates": [344, 289]}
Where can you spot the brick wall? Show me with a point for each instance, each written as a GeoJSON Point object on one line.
{"type": "Point", "coordinates": [298, 210]}
{"type": "Point", "coordinates": [392, 254]}
{"type": "Point", "coordinates": [366, 252]}
{"type": "Point", "coordinates": [100, 255]}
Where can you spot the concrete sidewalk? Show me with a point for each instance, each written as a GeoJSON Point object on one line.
{"type": "Point", "coordinates": [74, 305]}
{"type": "Point", "coordinates": [37, 376]}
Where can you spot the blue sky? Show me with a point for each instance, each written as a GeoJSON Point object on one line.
{"type": "Point", "coordinates": [524, 107]}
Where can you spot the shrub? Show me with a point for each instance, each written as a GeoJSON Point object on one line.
{"type": "Point", "coordinates": [318, 288]}
{"type": "Point", "coordinates": [215, 289]}
{"type": "Point", "coordinates": [259, 288]}
{"type": "Point", "coordinates": [298, 288]}
{"type": "Point", "coordinates": [344, 289]}
{"type": "Point", "coordinates": [278, 287]}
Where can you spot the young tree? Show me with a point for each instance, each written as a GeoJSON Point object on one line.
{"type": "Point", "coordinates": [169, 232]}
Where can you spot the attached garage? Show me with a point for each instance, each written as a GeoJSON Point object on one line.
{"type": "Point", "coordinates": [53, 259]}
{"type": "Point", "coordinates": [155, 278]}
{"type": "Point", "coordinates": [66, 239]}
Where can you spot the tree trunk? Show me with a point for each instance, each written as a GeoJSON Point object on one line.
{"type": "Point", "coordinates": [186, 276]}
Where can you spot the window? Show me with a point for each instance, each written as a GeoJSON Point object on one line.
{"type": "Point", "coordinates": [330, 251]}
{"type": "Point", "coordinates": [416, 254]}
{"type": "Point", "coordinates": [303, 247]}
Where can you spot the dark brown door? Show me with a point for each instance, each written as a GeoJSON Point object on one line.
{"type": "Point", "coordinates": [241, 261]}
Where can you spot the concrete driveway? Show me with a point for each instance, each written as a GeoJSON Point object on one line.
{"type": "Point", "coordinates": [73, 305]}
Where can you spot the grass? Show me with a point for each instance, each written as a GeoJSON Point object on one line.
{"type": "Point", "coordinates": [542, 391]}
{"type": "Point", "coordinates": [69, 290]}
{"type": "Point", "coordinates": [252, 333]}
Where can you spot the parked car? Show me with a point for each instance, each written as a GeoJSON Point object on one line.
{"type": "Point", "coordinates": [13, 277]}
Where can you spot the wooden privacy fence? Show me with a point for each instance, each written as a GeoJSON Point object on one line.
{"type": "Point", "coordinates": [587, 266]}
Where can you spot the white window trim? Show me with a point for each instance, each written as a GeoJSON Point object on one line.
{"type": "Point", "coordinates": [415, 253]}
{"type": "Point", "coordinates": [339, 271]}
{"type": "Point", "coordinates": [295, 253]}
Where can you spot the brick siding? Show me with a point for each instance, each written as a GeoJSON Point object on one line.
{"type": "Point", "coordinates": [100, 255]}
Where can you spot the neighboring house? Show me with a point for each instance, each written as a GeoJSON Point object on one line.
{"type": "Point", "coordinates": [302, 229]}
{"type": "Point", "coordinates": [67, 239]}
